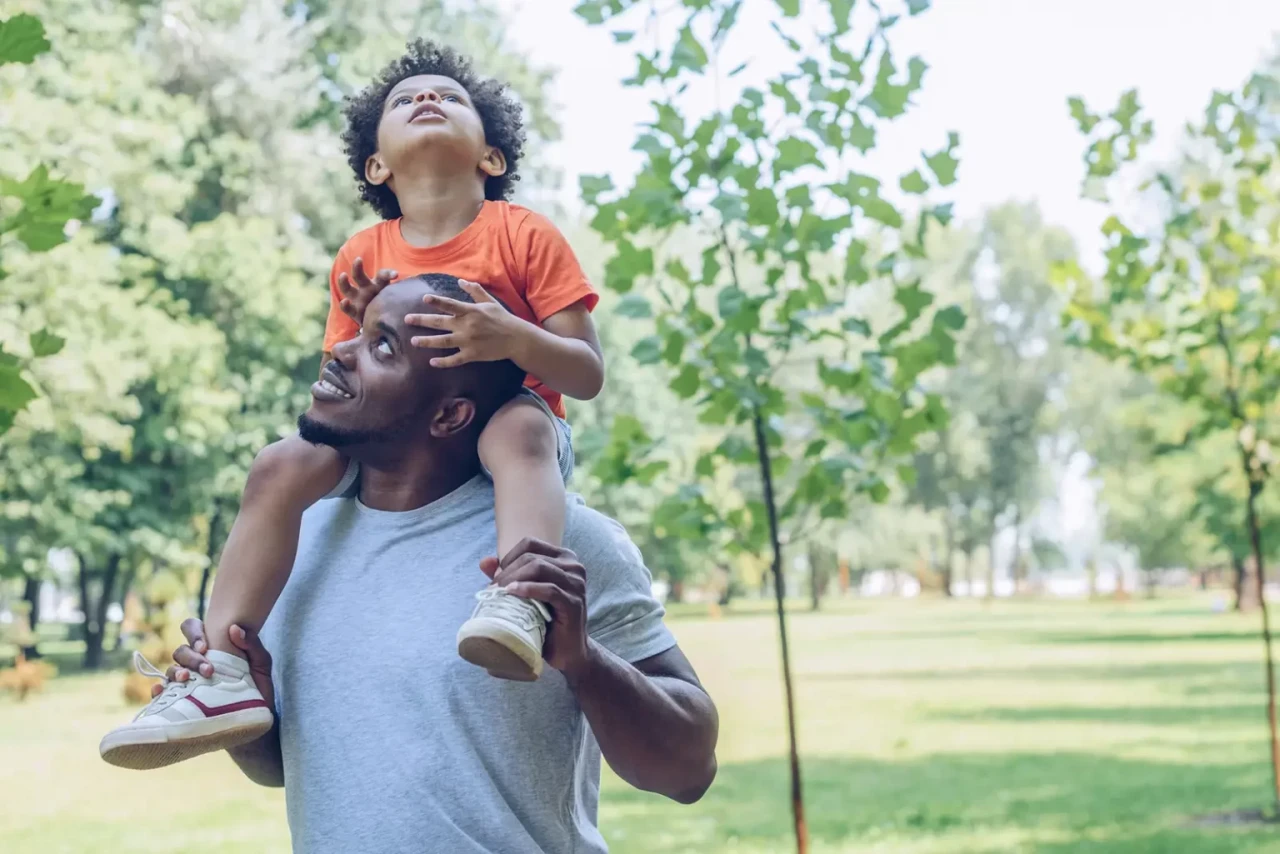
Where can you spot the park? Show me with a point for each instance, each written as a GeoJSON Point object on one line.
{"type": "Point", "coordinates": [933, 376]}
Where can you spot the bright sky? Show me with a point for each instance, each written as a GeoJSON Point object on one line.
{"type": "Point", "coordinates": [1000, 74]}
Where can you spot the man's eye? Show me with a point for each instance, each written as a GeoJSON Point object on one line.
{"type": "Point", "coordinates": [384, 347]}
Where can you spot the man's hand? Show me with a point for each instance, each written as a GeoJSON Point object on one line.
{"type": "Point", "coordinates": [190, 656]}
{"type": "Point", "coordinates": [483, 331]}
{"type": "Point", "coordinates": [553, 575]}
{"type": "Point", "coordinates": [358, 290]}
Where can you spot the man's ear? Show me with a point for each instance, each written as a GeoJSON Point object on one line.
{"type": "Point", "coordinates": [494, 162]}
{"type": "Point", "coordinates": [454, 415]}
{"type": "Point", "coordinates": [375, 171]}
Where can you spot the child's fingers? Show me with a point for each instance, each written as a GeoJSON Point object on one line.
{"type": "Point", "coordinates": [477, 291]}
{"type": "Point", "coordinates": [359, 275]}
{"type": "Point", "coordinates": [386, 277]}
{"type": "Point", "coordinates": [430, 321]}
{"type": "Point", "coordinates": [345, 288]}
{"type": "Point", "coordinates": [461, 357]}
{"type": "Point", "coordinates": [452, 306]}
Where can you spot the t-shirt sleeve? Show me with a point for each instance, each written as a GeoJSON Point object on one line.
{"type": "Point", "coordinates": [622, 614]}
{"type": "Point", "coordinates": [338, 327]}
{"type": "Point", "coordinates": [554, 279]}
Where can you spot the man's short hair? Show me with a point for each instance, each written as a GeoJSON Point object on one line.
{"type": "Point", "coordinates": [488, 384]}
{"type": "Point", "coordinates": [500, 114]}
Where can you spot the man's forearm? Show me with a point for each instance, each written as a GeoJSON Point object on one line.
{"type": "Point", "coordinates": [657, 732]}
{"type": "Point", "coordinates": [261, 760]}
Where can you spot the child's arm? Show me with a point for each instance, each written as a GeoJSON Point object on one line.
{"type": "Point", "coordinates": [564, 353]}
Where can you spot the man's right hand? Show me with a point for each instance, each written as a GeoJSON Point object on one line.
{"type": "Point", "coordinates": [191, 656]}
{"type": "Point", "coordinates": [358, 290]}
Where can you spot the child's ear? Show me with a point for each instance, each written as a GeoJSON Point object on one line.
{"type": "Point", "coordinates": [375, 171]}
{"type": "Point", "coordinates": [494, 162]}
{"type": "Point", "coordinates": [454, 416]}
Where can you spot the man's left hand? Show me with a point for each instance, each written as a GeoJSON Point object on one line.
{"type": "Point", "coordinates": [552, 575]}
{"type": "Point", "coordinates": [483, 331]}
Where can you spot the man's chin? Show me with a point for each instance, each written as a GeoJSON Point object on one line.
{"type": "Point", "coordinates": [319, 432]}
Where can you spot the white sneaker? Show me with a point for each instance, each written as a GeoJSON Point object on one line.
{"type": "Point", "coordinates": [189, 718]}
{"type": "Point", "coordinates": [505, 635]}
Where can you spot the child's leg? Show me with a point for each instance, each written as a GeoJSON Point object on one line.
{"type": "Point", "coordinates": [286, 478]}
{"type": "Point", "coordinates": [519, 449]}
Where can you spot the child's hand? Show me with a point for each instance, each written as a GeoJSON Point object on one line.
{"type": "Point", "coordinates": [483, 331]}
{"type": "Point", "coordinates": [358, 290]}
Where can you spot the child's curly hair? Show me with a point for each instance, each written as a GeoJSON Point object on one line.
{"type": "Point", "coordinates": [500, 114]}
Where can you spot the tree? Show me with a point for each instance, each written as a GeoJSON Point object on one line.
{"type": "Point", "coordinates": [1193, 299]}
{"type": "Point", "coordinates": [767, 324]}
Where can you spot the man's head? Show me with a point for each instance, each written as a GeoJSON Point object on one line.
{"type": "Point", "coordinates": [379, 390]}
{"type": "Point", "coordinates": [429, 110]}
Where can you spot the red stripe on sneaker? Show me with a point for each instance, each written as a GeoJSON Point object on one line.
{"type": "Point", "coordinates": [214, 711]}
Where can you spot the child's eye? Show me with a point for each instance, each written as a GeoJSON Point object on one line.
{"type": "Point", "coordinates": [403, 99]}
{"type": "Point", "coordinates": [452, 98]}
{"type": "Point", "coordinates": [384, 347]}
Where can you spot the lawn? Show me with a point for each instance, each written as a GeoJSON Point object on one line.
{"type": "Point", "coordinates": [926, 728]}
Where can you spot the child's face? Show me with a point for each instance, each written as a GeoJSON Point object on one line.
{"type": "Point", "coordinates": [429, 124]}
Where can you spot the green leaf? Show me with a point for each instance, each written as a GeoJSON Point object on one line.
{"type": "Point", "coordinates": [856, 325]}
{"type": "Point", "coordinates": [943, 163]}
{"type": "Point", "coordinates": [790, 42]}
{"type": "Point", "coordinates": [634, 305]}
{"type": "Point", "coordinates": [881, 211]}
{"type": "Point", "coordinates": [686, 383]}
{"type": "Point", "coordinates": [762, 207]}
{"type": "Point", "coordinates": [45, 343]}
{"type": "Point", "coordinates": [47, 205]}
{"type": "Point", "coordinates": [623, 36]}
{"type": "Point", "coordinates": [22, 39]}
{"type": "Point", "coordinates": [688, 52]}
{"type": "Point", "coordinates": [877, 490]}
{"type": "Point", "coordinates": [841, 10]}
{"type": "Point", "coordinates": [918, 6]}
{"type": "Point", "coordinates": [15, 392]}
{"type": "Point", "coordinates": [952, 317]}
{"type": "Point", "coordinates": [629, 263]}
{"type": "Point", "coordinates": [862, 136]}
{"type": "Point", "coordinates": [913, 299]}
{"type": "Point", "coordinates": [592, 12]}
{"type": "Point", "coordinates": [726, 22]}
{"type": "Point", "coordinates": [674, 348]}
{"type": "Point", "coordinates": [730, 301]}
{"type": "Point", "coordinates": [793, 153]}
{"type": "Point", "coordinates": [592, 186]}
{"type": "Point", "coordinates": [647, 350]}
{"type": "Point", "coordinates": [738, 70]}
{"type": "Point", "coordinates": [913, 182]}
{"type": "Point", "coordinates": [1085, 120]}
{"type": "Point", "coordinates": [790, 8]}
{"type": "Point", "coordinates": [791, 102]}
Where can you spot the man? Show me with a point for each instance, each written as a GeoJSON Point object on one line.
{"type": "Point", "coordinates": [386, 741]}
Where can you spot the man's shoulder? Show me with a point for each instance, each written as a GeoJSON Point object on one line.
{"type": "Point", "coordinates": [597, 538]}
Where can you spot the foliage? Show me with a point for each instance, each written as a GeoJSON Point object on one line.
{"type": "Point", "coordinates": [35, 212]}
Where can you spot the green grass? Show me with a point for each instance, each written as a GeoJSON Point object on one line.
{"type": "Point", "coordinates": [926, 728]}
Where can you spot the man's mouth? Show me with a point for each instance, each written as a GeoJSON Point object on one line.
{"type": "Point", "coordinates": [428, 109]}
{"type": "Point", "coordinates": [331, 387]}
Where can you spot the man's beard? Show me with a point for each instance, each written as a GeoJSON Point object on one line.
{"type": "Point", "coordinates": [318, 433]}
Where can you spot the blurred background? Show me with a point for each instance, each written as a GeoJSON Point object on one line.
{"type": "Point", "coordinates": [951, 324]}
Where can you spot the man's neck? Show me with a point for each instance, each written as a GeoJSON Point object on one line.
{"type": "Point", "coordinates": [403, 483]}
{"type": "Point", "coordinates": [436, 209]}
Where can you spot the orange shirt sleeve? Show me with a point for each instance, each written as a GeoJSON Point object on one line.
{"type": "Point", "coordinates": [338, 327]}
{"type": "Point", "coordinates": [554, 279]}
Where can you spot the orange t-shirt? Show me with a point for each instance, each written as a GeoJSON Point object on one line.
{"type": "Point", "coordinates": [516, 254]}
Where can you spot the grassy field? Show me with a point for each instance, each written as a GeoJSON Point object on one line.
{"type": "Point", "coordinates": [926, 728]}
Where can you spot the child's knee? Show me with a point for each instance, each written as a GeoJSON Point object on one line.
{"type": "Point", "coordinates": [291, 468]}
{"type": "Point", "coordinates": [520, 434]}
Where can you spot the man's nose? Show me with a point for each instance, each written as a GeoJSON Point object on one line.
{"type": "Point", "coordinates": [344, 353]}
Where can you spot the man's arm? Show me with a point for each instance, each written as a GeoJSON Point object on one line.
{"type": "Point", "coordinates": [655, 724]}
{"type": "Point", "coordinates": [261, 760]}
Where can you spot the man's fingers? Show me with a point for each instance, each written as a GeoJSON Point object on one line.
{"type": "Point", "coordinates": [543, 571]}
{"type": "Point", "coordinates": [185, 656]}
{"type": "Point", "coordinates": [561, 602]}
{"type": "Point", "coordinates": [431, 321]}
{"type": "Point", "coordinates": [477, 291]}
{"type": "Point", "coordinates": [534, 546]}
{"type": "Point", "coordinates": [248, 642]}
{"type": "Point", "coordinates": [489, 566]}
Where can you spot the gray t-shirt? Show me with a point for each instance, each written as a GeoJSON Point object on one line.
{"type": "Point", "coordinates": [391, 742]}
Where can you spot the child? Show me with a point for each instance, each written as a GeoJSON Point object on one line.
{"type": "Point", "coordinates": [434, 149]}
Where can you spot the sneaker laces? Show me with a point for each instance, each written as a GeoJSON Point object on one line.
{"type": "Point", "coordinates": [514, 608]}
{"type": "Point", "coordinates": [171, 688]}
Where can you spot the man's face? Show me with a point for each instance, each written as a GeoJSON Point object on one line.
{"type": "Point", "coordinates": [435, 111]}
{"type": "Point", "coordinates": [378, 388]}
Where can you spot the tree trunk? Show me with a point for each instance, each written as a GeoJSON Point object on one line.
{"type": "Point", "coordinates": [211, 552]}
{"type": "Point", "coordinates": [779, 590]}
{"type": "Point", "coordinates": [125, 588]}
{"type": "Point", "coordinates": [95, 612]}
{"type": "Point", "coordinates": [948, 561]}
{"type": "Point", "coordinates": [991, 565]}
{"type": "Point", "coordinates": [31, 593]}
{"type": "Point", "coordinates": [1255, 539]}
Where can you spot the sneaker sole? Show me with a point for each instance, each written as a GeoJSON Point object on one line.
{"type": "Point", "coordinates": [498, 651]}
{"type": "Point", "coordinates": [143, 750]}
